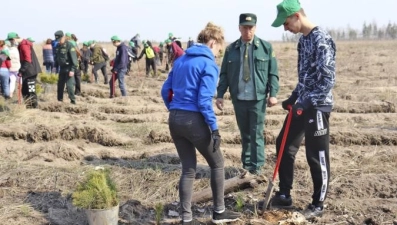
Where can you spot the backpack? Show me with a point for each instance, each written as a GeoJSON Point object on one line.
{"type": "Point", "coordinates": [105, 55]}
{"type": "Point", "coordinates": [131, 54]}
{"type": "Point", "coordinates": [149, 53]}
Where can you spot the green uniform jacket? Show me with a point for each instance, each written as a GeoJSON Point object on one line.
{"type": "Point", "coordinates": [265, 70]}
{"type": "Point", "coordinates": [66, 56]}
{"type": "Point", "coordinates": [97, 55]}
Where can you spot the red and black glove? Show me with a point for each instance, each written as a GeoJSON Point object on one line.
{"type": "Point", "coordinates": [297, 110]}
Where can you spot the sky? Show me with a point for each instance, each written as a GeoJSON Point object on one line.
{"type": "Point", "coordinates": [154, 19]}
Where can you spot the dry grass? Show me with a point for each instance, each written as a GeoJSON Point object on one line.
{"type": "Point", "coordinates": [45, 151]}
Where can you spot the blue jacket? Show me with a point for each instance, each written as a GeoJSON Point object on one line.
{"type": "Point", "coordinates": [193, 81]}
{"type": "Point", "coordinates": [54, 44]}
{"type": "Point", "coordinates": [121, 60]}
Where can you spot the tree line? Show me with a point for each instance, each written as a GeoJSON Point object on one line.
{"type": "Point", "coordinates": [369, 31]}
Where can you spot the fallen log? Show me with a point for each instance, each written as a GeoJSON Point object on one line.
{"type": "Point", "coordinates": [245, 180]}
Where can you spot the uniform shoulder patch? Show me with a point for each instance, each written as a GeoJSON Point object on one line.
{"type": "Point", "coordinates": [72, 49]}
{"type": "Point", "coordinates": [273, 54]}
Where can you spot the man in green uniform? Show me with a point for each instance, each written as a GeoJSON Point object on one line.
{"type": "Point", "coordinates": [249, 70]}
{"type": "Point", "coordinates": [66, 59]}
{"type": "Point", "coordinates": [77, 72]}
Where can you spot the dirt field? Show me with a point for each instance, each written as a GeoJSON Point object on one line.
{"type": "Point", "coordinates": [44, 152]}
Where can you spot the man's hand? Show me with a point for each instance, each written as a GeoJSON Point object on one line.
{"type": "Point", "coordinates": [287, 103]}
{"type": "Point", "coordinates": [71, 74]}
{"type": "Point", "coordinates": [297, 110]}
{"type": "Point", "coordinates": [272, 101]}
{"type": "Point", "coordinates": [216, 137]}
{"type": "Point", "coordinates": [219, 103]}
{"type": "Point", "coordinates": [113, 71]}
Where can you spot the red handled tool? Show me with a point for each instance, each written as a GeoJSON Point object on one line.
{"type": "Point", "coordinates": [113, 84]}
{"type": "Point", "coordinates": [19, 91]}
{"type": "Point", "coordinates": [270, 187]}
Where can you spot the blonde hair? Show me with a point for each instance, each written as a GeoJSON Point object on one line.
{"type": "Point", "coordinates": [211, 32]}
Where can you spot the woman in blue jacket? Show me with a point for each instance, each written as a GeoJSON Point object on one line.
{"type": "Point", "coordinates": [187, 94]}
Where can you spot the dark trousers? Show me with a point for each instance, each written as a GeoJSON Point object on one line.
{"type": "Point", "coordinates": [189, 132]}
{"type": "Point", "coordinates": [77, 80]}
{"type": "Point", "coordinates": [85, 67]}
{"type": "Point", "coordinates": [314, 126]}
{"type": "Point", "coordinates": [49, 66]}
{"type": "Point", "coordinates": [129, 66]}
{"type": "Point", "coordinates": [151, 63]}
{"type": "Point", "coordinates": [120, 77]}
{"type": "Point", "coordinates": [64, 78]}
{"type": "Point", "coordinates": [29, 92]}
{"type": "Point", "coordinates": [100, 66]}
{"type": "Point", "coordinates": [250, 116]}
{"type": "Point", "coordinates": [161, 56]}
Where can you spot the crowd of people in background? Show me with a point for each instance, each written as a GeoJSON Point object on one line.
{"type": "Point", "coordinates": [19, 62]}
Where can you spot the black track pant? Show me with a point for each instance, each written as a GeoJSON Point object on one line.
{"type": "Point", "coordinates": [29, 92]}
{"type": "Point", "coordinates": [151, 63]}
{"type": "Point", "coordinates": [100, 66]}
{"type": "Point", "coordinates": [77, 81]}
{"type": "Point", "coordinates": [314, 126]}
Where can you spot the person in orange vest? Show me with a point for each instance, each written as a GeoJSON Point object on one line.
{"type": "Point", "coordinates": [150, 58]}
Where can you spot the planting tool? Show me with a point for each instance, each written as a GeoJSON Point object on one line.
{"type": "Point", "coordinates": [113, 84]}
{"type": "Point", "coordinates": [19, 91]}
{"type": "Point", "coordinates": [270, 187]}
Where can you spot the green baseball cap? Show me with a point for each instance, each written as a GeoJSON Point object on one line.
{"type": "Point", "coordinates": [12, 35]}
{"type": "Point", "coordinates": [285, 9]}
{"type": "Point", "coordinates": [161, 44]}
{"type": "Point", "coordinates": [5, 52]}
{"type": "Point", "coordinates": [168, 41]}
{"type": "Point", "coordinates": [170, 35]}
{"type": "Point", "coordinates": [68, 34]}
{"type": "Point", "coordinates": [30, 39]}
{"type": "Point", "coordinates": [247, 19]}
{"type": "Point", "coordinates": [115, 38]}
{"type": "Point", "coordinates": [132, 44]}
{"type": "Point", "coordinates": [73, 43]}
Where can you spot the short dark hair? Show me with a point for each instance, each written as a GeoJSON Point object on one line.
{"type": "Point", "coordinates": [74, 37]}
{"type": "Point", "coordinates": [48, 41]}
